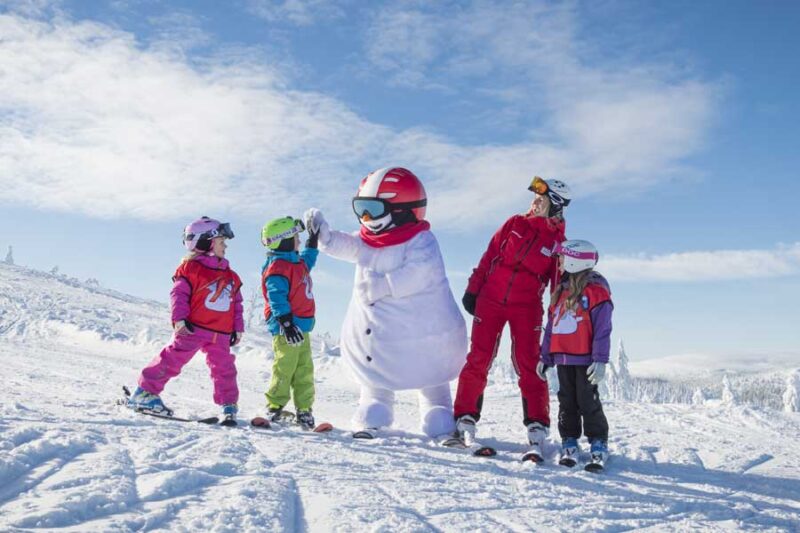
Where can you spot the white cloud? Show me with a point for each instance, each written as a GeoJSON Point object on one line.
{"type": "Point", "coordinates": [594, 120]}
{"type": "Point", "coordinates": [91, 121]}
{"type": "Point", "coordinates": [95, 121]}
{"type": "Point", "coordinates": [715, 265]}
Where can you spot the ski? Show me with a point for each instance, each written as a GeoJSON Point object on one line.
{"type": "Point", "coordinates": [533, 456]}
{"type": "Point", "coordinates": [264, 423]}
{"type": "Point", "coordinates": [478, 450]}
{"type": "Point", "coordinates": [569, 462]}
{"type": "Point", "coordinates": [366, 433]}
{"type": "Point", "coordinates": [166, 415]}
{"type": "Point", "coordinates": [596, 464]}
{"type": "Point", "coordinates": [208, 421]}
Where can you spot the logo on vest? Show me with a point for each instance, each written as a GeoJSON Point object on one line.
{"type": "Point", "coordinates": [566, 323]}
{"type": "Point", "coordinates": [308, 287]}
{"type": "Point", "coordinates": [219, 297]}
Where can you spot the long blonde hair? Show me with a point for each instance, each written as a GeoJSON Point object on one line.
{"type": "Point", "coordinates": [191, 255]}
{"type": "Point", "coordinates": [575, 285]}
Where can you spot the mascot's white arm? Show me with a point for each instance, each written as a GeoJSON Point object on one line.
{"type": "Point", "coordinates": [334, 243]}
{"type": "Point", "coordinates": [422, 267]}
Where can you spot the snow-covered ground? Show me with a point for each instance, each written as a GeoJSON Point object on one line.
{"type": "Point", "coordinates": [72, 460]}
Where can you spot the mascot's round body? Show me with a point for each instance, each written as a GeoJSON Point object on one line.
{"type": "Point", "coordinates": [403, 329]}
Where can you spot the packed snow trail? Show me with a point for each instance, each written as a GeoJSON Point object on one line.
{"type": "Point", "coordinates": [70, 459]}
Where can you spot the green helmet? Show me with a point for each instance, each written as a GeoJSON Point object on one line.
{"type": "Point", "coordinates": [279, 229]}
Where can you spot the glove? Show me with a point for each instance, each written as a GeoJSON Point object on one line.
{"type": "Point", "coordinates": [183, 327]}
{"type": "Point", "coordinates": [236, 337]}
{"type": "Point", "coordinates": [292, 333]}
{"type": "Point", "coordinates": [372, 287]}
{"type": "Point", "coordinates": [469, 300]}
{"type": "Point", "coordinates": [316, 225]}
{"type": "Point", "coordinates": [541, 370]}
{"type": "Point", "coordinates": [313, 239]}
{"type": "Point", "coordinates": [596, 373]}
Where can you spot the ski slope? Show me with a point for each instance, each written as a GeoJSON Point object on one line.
{"type": "Point", "coordinates": [71, 460]}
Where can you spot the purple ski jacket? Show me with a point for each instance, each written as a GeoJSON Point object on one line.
{"type": "Point", "coordinates": [601, 339]}
{"type": "Point", "coordinates": [180, 295]}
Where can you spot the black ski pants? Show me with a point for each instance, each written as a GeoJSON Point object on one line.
{"type": "Point", "coordinates": [578, 399]}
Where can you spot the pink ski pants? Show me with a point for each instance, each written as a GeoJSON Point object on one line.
{"type": "Point", "coordinates": [168, 364]}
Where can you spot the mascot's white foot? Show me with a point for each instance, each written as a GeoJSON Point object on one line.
{"type": "Point", "coordinates": [436, 411]}
{"type": "Point", "coordinates": [438, 421]}
{"type": "Point", "coordinates": [375, 409]}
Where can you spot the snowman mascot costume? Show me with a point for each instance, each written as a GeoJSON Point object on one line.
{"type": "Point", "coordinates": [403, 329]}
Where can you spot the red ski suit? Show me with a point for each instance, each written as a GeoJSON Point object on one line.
{"type": "Point", "coordinates": [509, 282]}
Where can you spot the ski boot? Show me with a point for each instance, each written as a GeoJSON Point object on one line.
{"type": "Point", "coordinates": [305, 420]}
{"type": "Point", "coordinates": [537, 435]}
{"type": "Point", "coordinates": [569, 452]}
{"type": "Point", "coordinates": [141, 400]}
{"type": "Point", "coordinates": [464, 435]}
{"type": "Point", "coordinates": [278, 415]}
{"type": "Point", "coordinates": [599, 451]}
{"type": "Point", "coordinates": [229, 411]}
{"type": "Point", "coordinates": [366, 433]}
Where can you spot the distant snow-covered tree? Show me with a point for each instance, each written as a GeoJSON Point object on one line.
{"type": "Point", "coordinates": [54, 271]}
{"type": "Point", "coordinates": [609, 388]}
{"type": "Point", "coordinates": [727, 392]}
{"type": "Point", "coordinates": [92, 282]}
{"type": "Point", "coordinates": [10, 256]}
{"type": "Point", "coordinates": [791, 397]}
{"type": "Point", "coordinates": [698, 398]}
{"type": "Point", "coordinates": [252, 307]}
{"type": "Point", "coordinates": [623, 384]}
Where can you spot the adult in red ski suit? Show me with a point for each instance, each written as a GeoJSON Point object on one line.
{"type": "Point", "coordinates": [507, 286]}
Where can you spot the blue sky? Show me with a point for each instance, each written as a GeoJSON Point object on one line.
{"type": "Point", "coordinates": [675, 123]}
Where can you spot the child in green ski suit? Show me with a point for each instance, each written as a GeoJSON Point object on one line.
{"type": "Point", "coordinates": [289, 311]}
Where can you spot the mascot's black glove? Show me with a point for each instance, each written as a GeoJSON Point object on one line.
{"type": "Point", "coordinates": [469, 301]}
{"type": "Point", "coordinates": [292, 333]}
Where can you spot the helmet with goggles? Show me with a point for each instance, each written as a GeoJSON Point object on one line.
{"type": "Point", "coordinates": [280, 229]}
{"type": "Point", "coordinates": [197, 235]}
{"type": "Point", "coordinates": [578, 255]}
{"type": "Point", "coordinates": [394, 194]}
{"type": "Point", "coordinates": [556, 191]}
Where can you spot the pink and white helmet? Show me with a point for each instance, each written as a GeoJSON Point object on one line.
{"type": "Point", "coordinates": [578, 255]}
{"type": "Point", "coordinates": [197, 235]}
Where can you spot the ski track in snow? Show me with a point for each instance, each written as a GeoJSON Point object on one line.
{"type": "Point", "coordinates": [72, 460]}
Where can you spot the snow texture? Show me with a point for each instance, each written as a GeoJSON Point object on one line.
{"type": "Point", "coordinates": [72, 460]}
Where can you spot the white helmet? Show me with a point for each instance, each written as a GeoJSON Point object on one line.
{"type": "Point", "coordinates": [578, 255]}
{"type": "Point", "coordinates": [557, 191]}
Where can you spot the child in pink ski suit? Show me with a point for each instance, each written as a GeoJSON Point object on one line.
{"type": "Point", "coordinates": [206, 304]}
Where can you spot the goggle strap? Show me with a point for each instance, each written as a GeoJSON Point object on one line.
{"type": "Point", "coordinates": [574, 254]}
{"type": "Point", "coordinates": [298, 228]}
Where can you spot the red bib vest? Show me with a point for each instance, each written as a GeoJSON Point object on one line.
{"type": "Point", "coordinates": [213, 295]}
{"type": "Point", "coordinates": [572, 331]}
{"type": "Point", "coordinates": [301, 297]}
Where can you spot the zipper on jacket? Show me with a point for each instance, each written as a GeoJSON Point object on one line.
{"type": "Point", "coordinates": [516, 267]}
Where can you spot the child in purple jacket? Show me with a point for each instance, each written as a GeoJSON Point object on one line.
{"type": "Point", "coordinates": [206, 303]}
{"type": "Point", "coordinates": [577, 339]}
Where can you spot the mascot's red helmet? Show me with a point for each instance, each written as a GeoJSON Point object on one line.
{"type": "Point", "coordinates": [390, 189]}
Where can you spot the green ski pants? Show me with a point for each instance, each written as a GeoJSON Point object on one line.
{"type": "Point", "coordinates": [292, 373]}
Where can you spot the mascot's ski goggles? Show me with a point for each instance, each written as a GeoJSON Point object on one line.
{"type": "Point", "coordinates": [378, 207]}
{"type": "Point", "coordinates": [540, 186]}
{"type": "Point", "coordinates": [298, 227]}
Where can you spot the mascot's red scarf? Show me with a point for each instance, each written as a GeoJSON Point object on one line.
{"type": "Point", "coordinates": [394, 236]}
